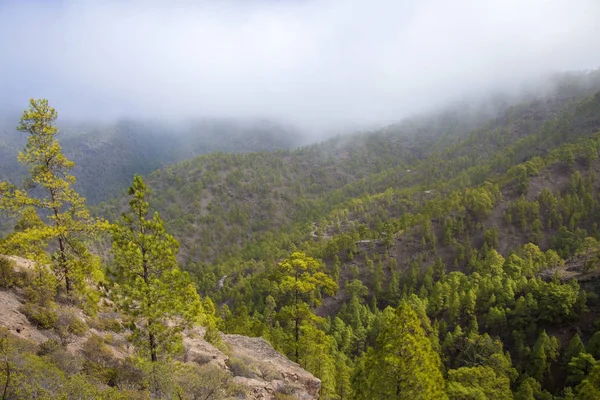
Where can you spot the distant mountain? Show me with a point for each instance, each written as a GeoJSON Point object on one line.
{"type": "Point", "coordinates": [108, 155]}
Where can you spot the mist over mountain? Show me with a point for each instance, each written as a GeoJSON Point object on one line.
{"type": "Point", "coordinates": [107, 155]}
{"type": "Point", "coordinates": [319, 64]}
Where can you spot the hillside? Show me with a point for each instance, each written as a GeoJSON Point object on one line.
{"type": "Point", "coordinates": [222, 205]}
{"type": "Point", "coordinates": [107, 155]}
{"type": "Point", "coordinates": [454, 255]}
{"type": "Point", "coordinates": [485, 228]}
{"type": "Point", "coordinates": [83, 355]}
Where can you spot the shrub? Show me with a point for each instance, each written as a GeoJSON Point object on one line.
{"type": "Point", "coordinates": [70, 325]}
{"type": "Point", "coordinates": [7, 273]}
{"type": "Point", "coordinates": [284, 391]}
{"type": "Point", "coordinates": [66, 361]}
{"type": "Point", "coordinates": [204, 382]}
{"type": "Point", "coordinates": [48, 347]}
{"type": "Point", "coordinates": [42, 317]}
{"type": "Point", "coordinates": [241, 367]}
{"type": "Point", "coordinates": [109, 339]}
{"type": "Point", "coordinates": [41, 286]}
{"type": "Point", "coordinates": [99, 360]}
{"type": "Point", "coordinates": [268, 372]}
{"type": "Point", "coordinates": [103, 323]}
{"type": "Point", "coordinates": [283, 396]}
{"type": "Point", "coordinates": [212, 336]}
{"type": "Point", "coordinates": [78, 327]}
{"type": "Point", "coordinates": [129, 376]}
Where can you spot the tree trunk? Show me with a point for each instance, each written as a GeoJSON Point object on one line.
{"type": "Point", "coordinates": [153, 355]}
{"type": "Point", "coordinates": [297, 332]}
{"type": "Point", "coordinates": [297, 337]}
{"type": "Point", "coordinates": [63, 261]}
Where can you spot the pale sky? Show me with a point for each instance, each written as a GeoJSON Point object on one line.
{"type": "Point", "coordinates": [323, 62]}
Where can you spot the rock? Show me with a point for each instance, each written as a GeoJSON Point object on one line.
{"type": "Point", "coordinates": [258, 367]}
{"type": "Point", "coordinates": [15, 321]}
{"type": "Point", "coordinates": [198, 350]}
{"type": "Point", "coordinates": [277, 373]}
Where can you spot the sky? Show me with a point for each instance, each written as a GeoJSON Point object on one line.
{"type": "Point", "coordinates": [320, 63]}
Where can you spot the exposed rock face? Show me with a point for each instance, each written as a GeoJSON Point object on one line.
{"type": "Point", "coordinates": [287, 376]}
{"type": "Point", "coordinates": [253, 363]}
{"type": "Point", "coordinates": [15, 321]}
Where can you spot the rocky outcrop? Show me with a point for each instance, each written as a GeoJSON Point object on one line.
{"type": "Point", "coordinates": [252, 362]}
{"type": "Point", "coordinates": [15, 321]}
{"type": "Point", "coordinates": [278, 372]}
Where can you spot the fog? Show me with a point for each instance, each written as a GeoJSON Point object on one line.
{"type": "Point", "coordinates": [321, 63]}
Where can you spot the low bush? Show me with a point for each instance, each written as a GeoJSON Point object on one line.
{"type": "Point", "coordinates": [69, 326]}
{"type": "Point", "coordinates": [7, 273]}
{"type": "Point", "coordinates": [42, 317]}
{"type": "Point", "coordinates": [104, 323]}
{"type": "Point", "coordinates": [48, 347]}
{"type": "Point", "coordinates": [239, 367]}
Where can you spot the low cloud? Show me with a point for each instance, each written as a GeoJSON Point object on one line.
{"type": "Point", "coordinates": [319, 63]}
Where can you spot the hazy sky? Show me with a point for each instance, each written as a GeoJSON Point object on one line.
{"type": "Point", "coordinates": [320, 62]}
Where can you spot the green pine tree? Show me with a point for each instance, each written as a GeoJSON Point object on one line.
{"type": "Point", "coordinates": [593, 346]}
{"type": "Point", "coordinates": [544, 352]}
{"type": "Point", "coordinates": [480, 382]}
{"type": "Point", "coordinates": [151, 290]}
{"type": "Point", "coordinates": [300, 281]}
{"type": "Point", "coordinates": [403, 363]}
{"type": "Point", "coordinates": [48, 191]}
{"type": "Point", "coordinates": [574, 348]}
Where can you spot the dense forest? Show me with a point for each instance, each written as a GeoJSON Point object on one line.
{"type": "Point", "coordinates": [449, 256]}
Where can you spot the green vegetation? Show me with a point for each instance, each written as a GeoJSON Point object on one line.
{"type": "Point", "coordinates": [151, 292]}
{"type": "Point", "coordinates": [462, 263]}
{"type": "Point", "coordinates": [150, 288]}
{"type": "Point", "coordinates": [69, 221]}
{"type": "Point", "coordinates": [109, 154]}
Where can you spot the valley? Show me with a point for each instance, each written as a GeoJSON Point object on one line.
{"type": "Point", "coordinates": [451, 255]}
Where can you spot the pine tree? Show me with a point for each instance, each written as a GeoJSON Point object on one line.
{"type": "Point", "coordinates": [48, 191]}
{"type": "Point", "coordinates": [342, 378]}
{"type": "Point", "coordinates": [158, 298]}
{"type": "Point", "coordinates": [480, 382]}
{"type": "Point", "coordinates": [315, 356]}
{"type": "Point", "coordinates": [544, 352]}
{"type": "Point", "coordinates": [301, 281]}
{"type": "Point", "coordinates": [589, 389]}
{"type": "Point", "coordinates": [593, 346]}
{"type": "Point", "coordinates": [579, 367]}
{"type": "Point", "coordinates": [403, 363]}
{"type": "Point", "coordinates": [574, 348]}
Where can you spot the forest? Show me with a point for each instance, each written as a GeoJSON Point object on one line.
{"type": "Point", "coordinates": [450, 256]}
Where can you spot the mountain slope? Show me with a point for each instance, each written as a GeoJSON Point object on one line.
{"type": "Point", "coordinates": [96, 361]}
{"type": "Point", "coordinates": [108, 155]}
{"type": "Point", "coordinates": [219, 205]}
{"type": "Point", "coordinates": [488, 233]}
{"type": "Point", "coordinates": [477, 236]}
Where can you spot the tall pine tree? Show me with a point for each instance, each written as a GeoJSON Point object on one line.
{"type": "Point", "coordinates": [403, 364]}
{"type": "Point", "coordinates": [48, 192]}
{"type": "Point", "coordinates": [300, 282]}
{"type": "Point", "coordinates": [158, 298]}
